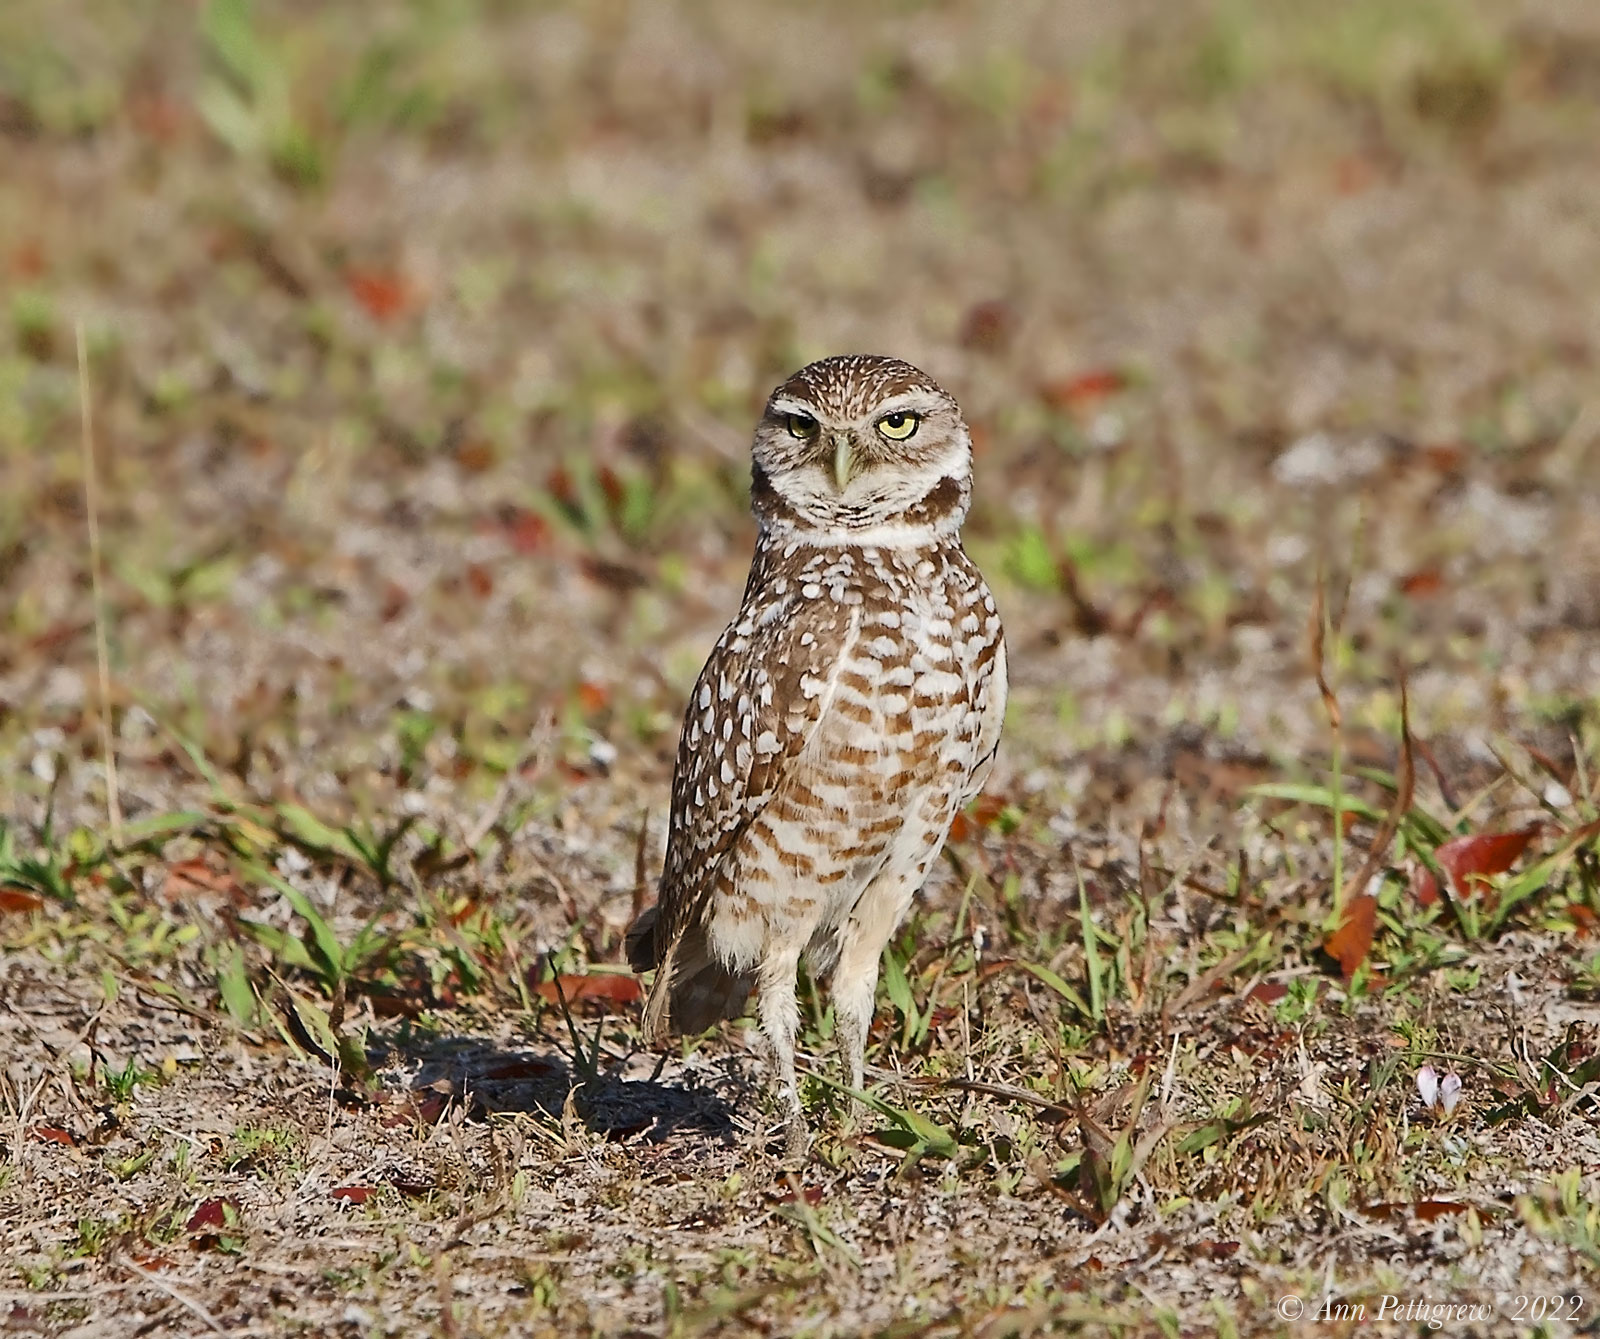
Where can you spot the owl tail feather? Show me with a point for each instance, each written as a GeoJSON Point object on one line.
{"type": "Point", "coordinates": [692, 990]}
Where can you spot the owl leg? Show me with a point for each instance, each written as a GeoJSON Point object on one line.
{"type": "Point", "coordinates": [853, 1013]}
{"type": "Point", "coordinates": [780, 1022]}
{"type": "Point", "coordinates": [855, 978]}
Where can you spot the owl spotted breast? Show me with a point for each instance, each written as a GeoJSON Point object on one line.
{"type": "Point", "coordinates": [848, 713]}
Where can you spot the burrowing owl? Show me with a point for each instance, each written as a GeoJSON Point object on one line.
{"type": "Point", "coordinates": [849, 711]}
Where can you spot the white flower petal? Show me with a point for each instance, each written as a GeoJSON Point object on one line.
{"type": "Point", "coordinates": [1449, 1092]}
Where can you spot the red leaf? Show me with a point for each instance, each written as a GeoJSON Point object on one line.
{"type": "Point", "coordinates": [528, 1068]}
{"type": "Point", "coordinates": [980, 814]}
{"type": "Point", "coordinates": [1219, 1250]}
{"type": "Point", "coordinates": [987, 808]}
{"type": "Point", "coordinates": [480, 581]}
{"type": "Point", "coordinates": [1424, 887]}
{"type": "Point", "coordinates": [156, 115]}
{"type": "Point", "coordinates": [355, 1194]}
{"type": "Point", "coordinates": [16, 899]}
{"type": "Point", "coordinates": [1446, 457]}
{"type": "Point", "coordinates": [1353, 174]}
{"type": "Point", "coordinates": [988, 326]}
{"type": "Point", "coordinates": [28, 260]}
{"type": "Point", "coordinates": [54, 1134]}
{"type": "Point", "coordinates": [1472, 859]}
{"type": "Point", "coordinates": [1269, 992]}
{"type": "Point", "coordinates": [612, 486]}
{"type": "Point", "coordinates": [593, 697]}
{"type": "Point", "coordinates": [812, 1194]}
{"type": "Point", "coordinates": [1429, 1210]}
{"type": "Point", "coordinates": [422, 1107]}
{"type": "Point", "coordinates": [561, 487]}
{"type": "Point", "coordinates": [475, 456]}
{"type": "Point", "coordinates": [384, 294]}
{"type": "Point", "coordinates": [1352, 941]}
{"type": "Point", "coordinates": [612, 987]}
{"type": "Point", "coordinates": [1425, 581]}
{"type": "Point", "coordinates": [211, 1216]}
{"type": "Point", "coordinates": [527, 531]}
{"type": "Point", "coordinates": [395, 599]}
{"type": "Point", "coordinates": [1085, 389]}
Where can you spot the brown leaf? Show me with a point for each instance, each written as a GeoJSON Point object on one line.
{"type": "Point", "coordinates": [1470, 860]}
{"type": "Point", "coordinates": [1352, 941]}
{"type": "Point", "coordinates": [54, 1134]}
{"type": "Point", "coordinates": [194, 875]}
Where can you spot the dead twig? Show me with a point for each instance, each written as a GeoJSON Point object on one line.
{"type": "Point", "coordinates": [91, 503]}
{"type": "Point", "coordinates": [181, 1298]}
{"type": "Point", "coordinates": [532, 757]}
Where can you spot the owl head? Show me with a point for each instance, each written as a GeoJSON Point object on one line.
{"type": "Point", "coordinates": [862, 449]}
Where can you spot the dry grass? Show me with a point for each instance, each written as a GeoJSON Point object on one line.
{"type": "Point", "coordinates": [425, 339]}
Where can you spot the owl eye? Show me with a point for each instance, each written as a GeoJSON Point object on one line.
{"type": "Point", "coordinates": [802, 426]}
{"type": "Point", "coordinates": [898, 425]}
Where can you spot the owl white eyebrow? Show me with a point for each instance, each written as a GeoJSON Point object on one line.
{"type": "Point", "coordinates": [787, 406]}
{"type": "Point", "coordinates": [912, 402]}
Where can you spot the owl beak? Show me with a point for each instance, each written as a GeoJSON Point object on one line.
{"type": "Point", "coordinates": [844, 460]}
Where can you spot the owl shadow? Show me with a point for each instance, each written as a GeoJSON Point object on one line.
{"type": "Point", "coordinates": [486, 1079]}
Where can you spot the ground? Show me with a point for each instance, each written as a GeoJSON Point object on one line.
{"type": "Point", "coordinates": [422, 342]}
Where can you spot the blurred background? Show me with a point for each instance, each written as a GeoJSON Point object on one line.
{"type": "Point", "coordinates": [426, 339]}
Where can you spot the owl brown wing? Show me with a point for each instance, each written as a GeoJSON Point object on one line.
{"type": "Point", "coordinates": [990, 723]}
{"type": "Point", "coordinates": [769, 681]}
